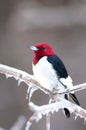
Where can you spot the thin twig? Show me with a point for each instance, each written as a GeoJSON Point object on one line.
{"type": "Point", "coordinates": [48, 121]}
{"type": "Point", "coordinates": [74, 89]}
{"type": "Point", "coordinates": [30, 121]}
{"type": "Point", "coordinates": [19, 124]}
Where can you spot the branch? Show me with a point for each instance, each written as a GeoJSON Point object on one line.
{"type": "Point", "coordinates": [22, 76]}
{"type": "Point", "coordinates": [74, 89]}
{"type": "Point", "coordinates": [39, 111]}
{"type": "Point", "coordinates": [55, 107]}
{"type": "Point", "coordinates": [48, 121]}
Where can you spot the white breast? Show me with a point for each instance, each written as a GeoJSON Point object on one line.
{"type": "Point", "coordinates": [45, 74]}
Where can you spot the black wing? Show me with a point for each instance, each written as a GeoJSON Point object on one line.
{"type": "Point", "coordinates": [58, 66]}
{"type": "Point", "coordinates": [62, 73]}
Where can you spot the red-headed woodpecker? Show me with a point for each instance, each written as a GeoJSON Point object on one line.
{"type": "Point", "coordinates": [50, 72]}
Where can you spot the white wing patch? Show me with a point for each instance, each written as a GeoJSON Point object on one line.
{"type": "Point", "coordinates": [67, 82]}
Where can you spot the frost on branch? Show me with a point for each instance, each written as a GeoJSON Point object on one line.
{"type": "Point", "coordinates": [55, 107]}
{"type": "Point", "coordinates": [57, 102]}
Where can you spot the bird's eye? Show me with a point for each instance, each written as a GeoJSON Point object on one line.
{"type": "Point", "coordinates": [43, 48]}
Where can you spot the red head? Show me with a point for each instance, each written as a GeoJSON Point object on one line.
{"type": "Point", "coordinates": [40, 50]}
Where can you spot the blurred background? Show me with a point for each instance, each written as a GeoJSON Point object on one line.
{"type": "Point", "coordinates": [62, 23]}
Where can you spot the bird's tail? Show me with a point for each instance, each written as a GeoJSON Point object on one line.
{"type": "Point", "coordinates": [67, 112]}
{"type": "Point", "coordinates": [73, 96]}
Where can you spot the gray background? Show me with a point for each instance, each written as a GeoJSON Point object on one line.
{"type": "Point", "coordinates": [62, 23]}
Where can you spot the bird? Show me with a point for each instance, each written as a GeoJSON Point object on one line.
{"type": "Point", "coordinates": [50, 72]}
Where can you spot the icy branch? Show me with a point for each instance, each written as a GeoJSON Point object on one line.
{"type": "Point", "coordinates": [56, 106]}
{"type": "Point", "coordinates": [22, 76]}
{"type": "Point", "coordinates": [48, 121]}
{"type": "Point", "coordinates": [74, 89]}
{"type": "Point", "coordinates": [39, 111]}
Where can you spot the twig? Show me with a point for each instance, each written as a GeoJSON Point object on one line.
{"type": "Point", "coordinates": [74, 89]}
{"type": "Point", "coordinates": [48, 121]}
{"type": "Point", "coordinates": [30, 121]}
{"type": "Point", "coordinates": [19, 124]}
